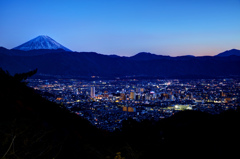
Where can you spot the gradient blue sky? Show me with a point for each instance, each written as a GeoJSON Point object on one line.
{"type": "Point", "coordinates": [125, 27]}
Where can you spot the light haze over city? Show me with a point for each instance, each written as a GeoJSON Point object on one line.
{"type": "Point", "coordinates": [125, 27]}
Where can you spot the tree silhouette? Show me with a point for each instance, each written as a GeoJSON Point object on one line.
{"type": "Point", "coordinates": [24, 76]}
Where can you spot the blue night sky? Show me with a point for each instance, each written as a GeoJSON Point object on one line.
{"type": "Point", "coordinates": [125, 27]}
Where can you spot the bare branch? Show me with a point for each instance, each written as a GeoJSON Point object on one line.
{"type": "Point", "coordinates": [9, 147]}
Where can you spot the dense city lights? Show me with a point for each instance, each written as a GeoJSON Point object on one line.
{"type": "Point", "coordinates": [107, 103]}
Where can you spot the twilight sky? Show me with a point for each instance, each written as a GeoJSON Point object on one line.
{"type": "Point", "coordinates": [125, 27]}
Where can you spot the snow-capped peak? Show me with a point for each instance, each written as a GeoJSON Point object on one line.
{"type": "Point", "coordinates": [41, 42]}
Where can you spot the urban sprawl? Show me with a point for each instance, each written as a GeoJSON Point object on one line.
{"type": "Point", "coordinates": [106, 103]}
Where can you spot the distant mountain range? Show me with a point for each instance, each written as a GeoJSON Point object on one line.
{"type": "Point", "coordinates": [233, 52]}
{"type": "Point", "coordinates": [55, 61]}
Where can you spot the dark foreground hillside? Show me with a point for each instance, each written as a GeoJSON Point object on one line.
{"type": "Point", "coordinates": [32, 127]}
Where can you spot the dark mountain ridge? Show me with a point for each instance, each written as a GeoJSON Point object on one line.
{"type": "Point", "coordinates": [145, 56]}
{"type": "Point", "coordinates": [62, 64]}
{"type": "Point", "coordinates": [233, 52]}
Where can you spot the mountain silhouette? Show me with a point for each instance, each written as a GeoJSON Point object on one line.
{"type": "Point", "coordinates": [229, 53]}
{"type": "Point", "coordinates": [62, 64]}
{"type": "Point", "coordinates": [144, 56]}
{"type": "Point", "coordinates": [56, 61]}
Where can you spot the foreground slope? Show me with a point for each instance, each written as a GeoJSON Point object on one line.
{"type": "Point", "coordinates": [39, 128]}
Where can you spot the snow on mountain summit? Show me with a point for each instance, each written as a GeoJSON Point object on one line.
{"type": "Point", "coordinates": [41, 42]}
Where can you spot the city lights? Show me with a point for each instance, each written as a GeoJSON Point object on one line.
{"type": "Point", "coordinates": [105, 101]}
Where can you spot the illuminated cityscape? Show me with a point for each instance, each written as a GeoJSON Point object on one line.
{"type": "Point", "coordinates": [106, 103]}
{"type": "Point", "coordinates": [119, 79]}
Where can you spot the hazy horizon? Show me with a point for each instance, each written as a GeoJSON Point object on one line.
{"type": "Point", "coordinates": [132, 54]}
{"type": "Point", "coordinates": [125, 28]}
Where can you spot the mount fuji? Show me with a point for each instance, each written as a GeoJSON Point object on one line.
{"type": "Point", "coordinates": [41, 42]}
